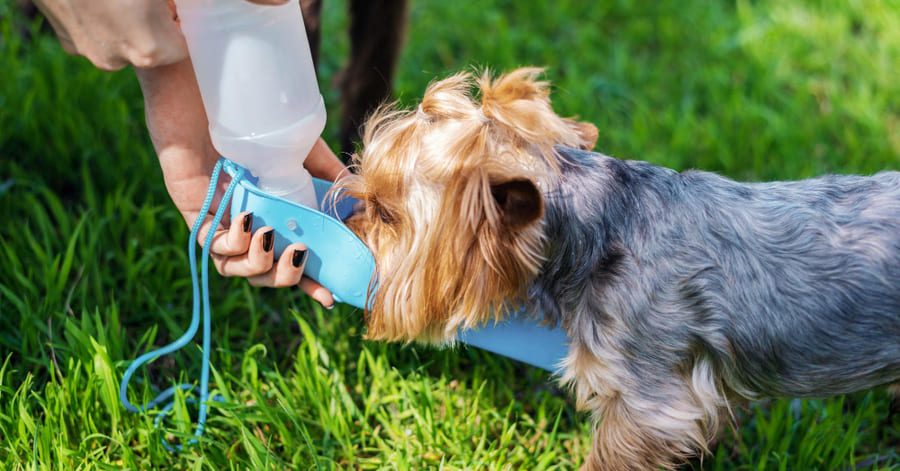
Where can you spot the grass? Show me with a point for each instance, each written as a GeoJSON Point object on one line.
{"type": "Point", "coordinates": [93, 268]}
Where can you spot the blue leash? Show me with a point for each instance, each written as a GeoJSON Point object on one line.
{"type": "Point", "coordinates": [195, 319]}
{"type": "Point", "coordinates": [338, 260]}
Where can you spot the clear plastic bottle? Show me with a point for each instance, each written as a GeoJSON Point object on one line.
{"type": "Point", "coordinates": [258, 83]}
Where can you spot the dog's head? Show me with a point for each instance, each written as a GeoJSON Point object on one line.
{"type": "Point", "coordinates": [451, 203]}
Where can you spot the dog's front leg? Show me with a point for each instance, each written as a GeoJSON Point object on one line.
{"type": "Point", "coordinates": [645, 418]}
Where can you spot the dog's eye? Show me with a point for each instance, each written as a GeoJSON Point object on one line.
{"type": "Point", "coordinates": [378, 211]}
{"type": "Point", "coordinates": [385, 215]}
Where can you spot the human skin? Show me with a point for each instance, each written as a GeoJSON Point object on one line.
{"type": "Point", "coordinates": [115, 33]}
{"type": "Point", "coordinates": [178, 128]}
{"type": "Point", "coordinates": [145, 33]}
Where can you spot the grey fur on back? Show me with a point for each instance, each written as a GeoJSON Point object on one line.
{"type": "Point", "coordinates": [787, 288]}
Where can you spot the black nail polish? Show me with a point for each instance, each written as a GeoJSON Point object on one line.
{"type": "Point", "coordinates": [298, 258]}
{"type": "Point", "coordinates": [268, 240]}
{"type": "Point", "coordinates": [247, 222]}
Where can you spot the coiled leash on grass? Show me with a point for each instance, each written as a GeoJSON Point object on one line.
{"type": "Point", "coordinates": [199, 289]}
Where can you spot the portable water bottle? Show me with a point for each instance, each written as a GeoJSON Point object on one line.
{"type": "Point", "coordinates": [258, 84]}
{"type": "Point", "coordinates": [265, 112]}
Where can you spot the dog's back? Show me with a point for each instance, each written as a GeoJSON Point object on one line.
{"type": "Point", "coordinates": [674, 289]}
{"type": "Point", "coordinates": [793, 288]}
{"type": "Point", "coordinates": [810, 279]}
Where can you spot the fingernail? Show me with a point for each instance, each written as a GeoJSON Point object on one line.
{"type": "Point", "coordinates": [298, 258]}
{"type": "Point", "coordinates": [268, 240]}
{"type": "Point", "coordinates": [330, 307]}
{"type": "Point", "coordinates": [247, 222]}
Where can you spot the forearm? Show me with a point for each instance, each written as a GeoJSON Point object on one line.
{"type": "Point", "coordinates": [178, 129]}
{"type": "Point", "coordinates": [322, 163]}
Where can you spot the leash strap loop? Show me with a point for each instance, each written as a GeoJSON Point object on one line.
{"type": "Point", "coordinates": [201, 295]}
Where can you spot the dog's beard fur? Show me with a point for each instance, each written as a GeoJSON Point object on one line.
{"type": "Point", "coordinates": [676, 291]}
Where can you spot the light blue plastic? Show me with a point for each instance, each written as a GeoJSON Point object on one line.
{"type": "Point", "coordinates": [341, 262]}
{"type": "Point", "coordinates": [338, 260]}
{"type": "Point", "coordinates": [528, 342]}
{"type": "Point", "coordinates": [201, 299]}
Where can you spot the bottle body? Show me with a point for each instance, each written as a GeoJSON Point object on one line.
{"type": "Point", "coordinates": [259, 88]}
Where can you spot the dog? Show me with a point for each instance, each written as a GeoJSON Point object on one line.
{"type": "Point", "coordinates": [679, 292]}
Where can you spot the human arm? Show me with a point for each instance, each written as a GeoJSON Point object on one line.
{"type": "Point", "coordinates": [179, 130]}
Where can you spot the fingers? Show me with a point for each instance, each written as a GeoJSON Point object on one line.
{"type": "Point", "coordinates": [288, 270]}
{"type": "Point", "coordinates": [156, 38]}
{"type": "Point", "coordinates": [114, 33]}
{"type": "Point", "coordinates": [65, 39]}
{"type": "Point", "coordinates": [67, 45]}
{"type": "Point", "coordinates": [268, 2]}
{"type": "Point", "coordinates": [257, 260]}
{"type": "Point", "coordinates": [235, 252]}
{"type": "Point", "coordinates": [232, 241]}
{"type": "Point", "coordinates": [317, 292]}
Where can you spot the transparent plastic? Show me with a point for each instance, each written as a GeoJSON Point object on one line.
{"type": "Point", "coordinates": [258, 83]}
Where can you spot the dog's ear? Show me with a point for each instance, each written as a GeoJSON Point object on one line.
{"type": "Point", "coordinates": [519, 202]}
{"type": "Point", "coordinates": [587, 133]}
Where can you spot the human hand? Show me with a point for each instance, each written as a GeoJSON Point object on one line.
{"type": "Point", "coordinates": [178, 128]}
{"type": "Point", "coordinates": [115, 33]}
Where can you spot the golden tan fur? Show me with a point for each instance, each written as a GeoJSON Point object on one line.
{"type": "Point", "coordinates": [462, 159]}
{"type": "Point", "coordinates": [637, 435]}
{"type": "Point", "coordinates": [453, 195]}
{"type": "Point", "coordinates": [449, 158]}
{"type": "Point", "coordinates": [457, 238]}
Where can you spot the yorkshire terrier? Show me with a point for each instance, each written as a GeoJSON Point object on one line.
{"type": "Point", "coordinates": [678, 291]}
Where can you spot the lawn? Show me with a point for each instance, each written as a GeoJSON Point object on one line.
{"type": "Point", "coordinates": [93, 266]}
